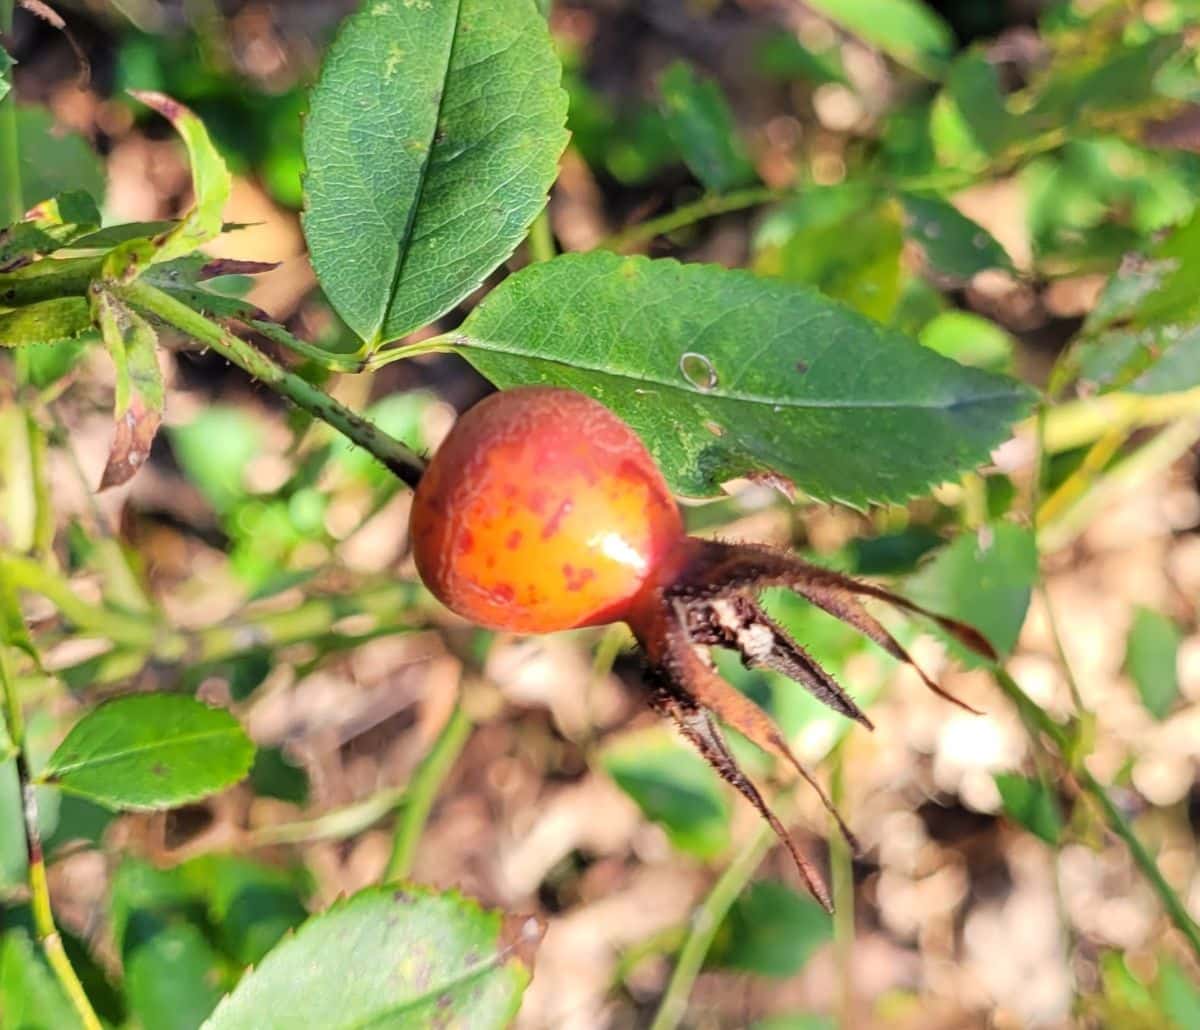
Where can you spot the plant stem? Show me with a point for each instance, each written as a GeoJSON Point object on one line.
{"type": "Point", "coordinates": [1038, 721]}
{"type": "Point", "coordinates": [705, 922]}
{"type": "Point", "coordinates": [842, 873]}
{"type": "Point", "coordinates": [422, 790]}
{"type": "Point", "coordinates": [39, 888]}
{"type": "Point", "coordinates": [11, 205]}
{"type": "Point", "coordinates": [706, 207]}
{"type": "Point", "coordinates": [541, 238]}
{"type": "Point", "coordinates": [1088, 471]}
{"type": "Point", "coordinates": [402, 462]}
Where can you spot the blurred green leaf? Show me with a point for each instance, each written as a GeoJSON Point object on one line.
{"type": "Point", "coordinates": [1031, 803]}
{"type": "Point", "coordinates": [46, 322]}
{"type": "Point", "coordinates": [771, 930]}
{"type": "Point", "coordinates": [724, 373]}
{"type": "Point", "coordinates": [52, 161]}
{"type": "Point", "coordinates": [953, 244]}
{"type": "Point", "coordinates": [890, 554]}
{"type": "Point", "coordinates": [273, 775]}
{"type": "Point", "coordinates": [173, 976]}
{"type": "Point", "coordinates": [673, 786]}
{"type": "Point", "coordinates": [39, 732]}
{"type": "Point", "coordinates": [433, 958]}
{"type": "Point", "coordinates": [1179, 995]}
{"type": "Point", "coordinates": [214, 450]}
{"type": "Point", "coordinates": [969, 339]}
{"type": "Point", "coordinates": [30, 996]}
{"type": "Point", "coordinates": [400, 415]}
{"type": "Point", "coordinates": [970, 123]}
{"type": "Point", "coordinates": [6, 64]}
{"type": "Point", "coordinates": [79, 820]}
{"type": "Point", "coordinates": [845, 240]}
{"type": "Point", "coordinates": [985, 579]}
{"type": "Point", "coordinates": [702, 125]}
{"type": "Point", "coordinates": [401, 229]}
{"type": "Point", "coordinates": [799, 1021]}
{"type": "Point", "coordinates": [251, 906]}
{"type": "Point", "coordinates": [906, 30]}
{"type": "Point", "coordinates": [45, 365]}
{"type": "Point", "coordinates": [150, 751]}
{"type": "Point", "coordinates": [1151, 660]}
{"type": "Point", "coordinates": [780, 55]}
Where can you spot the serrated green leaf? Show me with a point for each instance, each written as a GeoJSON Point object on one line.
{"type": "Point", "coordinates": [702, 125]}
{"type": "Point", "coordinates": [906, 30]}
{"type": "Point", "coordinates": [150, 751]}
{"type": "Point", "coordinates": [433, 136]}
{"type": "Point", "coordinates": [771, 930]}
{"type": "Point", "coordinates": [724, 373]}
{"type": "Point", "coordinates": [48, 321]}
{"type": "Point", "coordinates": [51, 161]}
{"type": "Point", "coordinates": [954, 245]}
{"type": "Point", "coordinates": [984, 579]}
{"type": "Point", "coordinates": [674, 787]}
{"type": "Point", "coordinates": [432, 957]}
{"type": "Point", "coordinates": [140, 394]}
{"type": "Point", "coordinates": [1031, 803]}
{"type": "Point", "coordinates": [1151, 659]}
{"type": "Point", "coordinates": [211, 185]}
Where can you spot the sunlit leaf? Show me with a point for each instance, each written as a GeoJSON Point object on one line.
{"type": "Point", "coordinates": [969, 339]}
{"type": "Point", "coordinates": [432, 958]}
{"type": "Point", "coordinates": [150, 751]}
{"type": "Point", "coordinates": [433, 136]}
{"type": "Point", "coordinates": [726, 374]}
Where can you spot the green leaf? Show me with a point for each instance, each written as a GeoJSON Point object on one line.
{"type": "Point", "coordinates": [799, 1021]}
{"type": "Point", "coordinates": [6, 64]}
{"type": "Point", "coordinates": [433, 136]}
{"type": "Point", "coordinates": [43, 366]}
{"type": "Point", "coordinates": [387, 957]}
{"type": "Point", "coordinates": [845, 240]}
{"type": "Point", "coordinates": [173, 976]}
{"type": "Point", "coordinates": [274, 775]}
{"type": "Point", "coordinates": [780, 55]}
{"type": "Point", "coordinates": [724, 374]}
{"type": "Point", "coordinates": [970, 122]}
{"type": "Point", "coordinates": [771, 930]}
{"type": "Point", "coordinates": [703, 128]}
{"type": "Point", "coordinates": [49, 225]}
{"type": "Point", "coordinates": [111, 235]}
{"type": "Point", "coordinates": [30, 996]}
{"type": "Point", "coordinates": [51, 161]}
{"type": "Point", "coordinates": [48, 321]}
{"type": "Point", "coordinates": [252, 906]}
{"type": "Point", "coordinates": [673, 786]}
{"type": "Point", "coordinates": [211, 183]}
{"type": "Point", "coordinates": [953, 244]}
{"type": "Point", "coordinates": [906, 30]}
{"type": "Point", "coordinates": [1151, 660]}
{"type": "Point", "coordinates": [214, 450]}
{"type": "Point", "coordinates": [1031, 803]}
{"type": "Point", "coordinates": [985, 579]}
{"type": "Point", "coordinates": [150, 751]}
{"type": "Point", "coordinates": [140, 394]}
{"type": "Point", "coordinates": [970, 339]}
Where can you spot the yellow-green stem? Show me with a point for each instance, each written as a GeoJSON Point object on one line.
{"type": "Point", "coordinates": [706, 207]}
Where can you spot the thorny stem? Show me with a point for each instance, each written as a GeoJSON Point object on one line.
{"type": "Point", "coordinates": [704, 925]}
{"type": "Point", "coordinates": [842, 874]}
{"type": "Point", "coordinates": [39, 888]}
{"type": "Point", "coordinates": [402, 462]}
{"type": "Point", "coordinates": [423, 790]}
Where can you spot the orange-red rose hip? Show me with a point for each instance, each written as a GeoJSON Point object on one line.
{"type": "Point", "coordinates": [541, 511]}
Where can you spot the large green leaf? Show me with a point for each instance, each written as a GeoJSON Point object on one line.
{"type": "Point", "coordinates": [433, 137]}
{"type": "Point", "coordinates": [726, 374]}
{"type": "Point", "coordinates": [150, 751]}
{"type": "Point", "coordinates": [673, 786]}
{"type": "Point", "coordinates": [908, 31]}
{"type": "Point", "coordinates": [1151, 659]}
{"type": "Point", "coordinates": [387, 958]}
{"type": "Point", "coordinates": [701, 124]}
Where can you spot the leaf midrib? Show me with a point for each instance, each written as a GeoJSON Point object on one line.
{"type": "Point", "coordinates": [405, 241]}
{"type": "Point", "coordinates": [56, 773]}
{"type": "Point", "coordinates": [466, 341]}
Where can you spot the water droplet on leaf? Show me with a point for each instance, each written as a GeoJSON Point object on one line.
{"type": "Point", "coordinates": [698, 370]}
